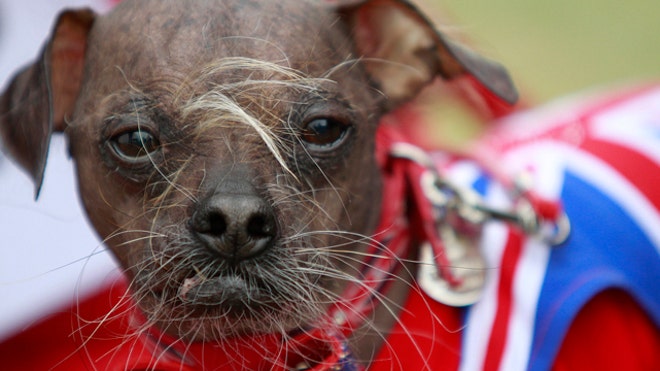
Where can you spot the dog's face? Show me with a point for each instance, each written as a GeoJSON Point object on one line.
{"type": "Point", "coordinates": [225, 149]}
{"type": "Point", "coordinates": [222, 163]}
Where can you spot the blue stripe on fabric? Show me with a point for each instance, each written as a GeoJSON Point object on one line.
{"type": "Point", "coordinates": [481, 183]}
{"type": "Point", "coordinates": [606, 249]}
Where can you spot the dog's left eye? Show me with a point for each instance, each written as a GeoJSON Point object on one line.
{"type": "Point", "coordinates": [135, 145]}
{"type": "Point", "coordinates": [324, 133]}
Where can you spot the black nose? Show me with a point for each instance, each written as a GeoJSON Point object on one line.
{"type": "Point", "coordinates": [235, 226]}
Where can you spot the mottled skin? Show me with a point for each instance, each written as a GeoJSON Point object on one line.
{"type": "Point", "coordinates": [150, 70]}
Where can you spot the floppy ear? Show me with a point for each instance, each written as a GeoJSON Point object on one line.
{"type": "Point", "coordinates": [40, 96]}
{"type": "Point", "coordinates": [403, 52]}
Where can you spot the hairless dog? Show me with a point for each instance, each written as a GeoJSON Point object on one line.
{"type": "Point", "coordinates": [227, 155]}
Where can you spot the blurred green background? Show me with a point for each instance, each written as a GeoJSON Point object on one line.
{"type": "Point", "coordinates": [551, 48]}
{"type": "Point", "coordinates": [556, 47]}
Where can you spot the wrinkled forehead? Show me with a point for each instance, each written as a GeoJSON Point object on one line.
{"type": "Point", "coordinates": [143, 39]}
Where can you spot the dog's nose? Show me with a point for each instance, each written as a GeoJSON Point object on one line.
{"type": "Point", "coordinates": [235, 226]}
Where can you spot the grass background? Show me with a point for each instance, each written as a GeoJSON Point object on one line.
{"type": "Point", "coordinates": [551, 48]}
{"type": "Point", "coordinates": [556, 47]}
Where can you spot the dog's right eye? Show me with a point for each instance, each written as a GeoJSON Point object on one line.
{"type": "Point", "coordinates": [135, 145]}
{"type": "Point", "coordinates": [324, 134]}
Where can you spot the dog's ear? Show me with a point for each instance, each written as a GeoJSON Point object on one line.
{"type": "Point", "coordinates": [43, 94]}
{"type": "Point", "coordinates": [403, 52]}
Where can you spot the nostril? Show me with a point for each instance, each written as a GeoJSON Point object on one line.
{"type": "Point", "coordinates": [260, 226]}
{"type": "Point", "coordinates": [217, 225]}
{"type": "Point", "coordinates": [213, 223]}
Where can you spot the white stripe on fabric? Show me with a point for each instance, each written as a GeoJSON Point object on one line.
{"type": "Point", "coordinates": [634, 124]}
{"type": "Point", "coordinates": [545, 165]}
{"type": "Point", "coordinates": [481, 315]}
{"type": "Point", "coordinates": [528, 280]}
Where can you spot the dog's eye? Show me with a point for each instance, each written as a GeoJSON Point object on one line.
{"type": "Point", "coordinates": [135, 145]}
{"type": "Point", "coordinates": [324, 133]}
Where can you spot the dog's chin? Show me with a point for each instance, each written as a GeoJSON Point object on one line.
{"type": "Point", "coordinates": [222, 308]}
{"type": "Point", "coordinates": [232, 303]}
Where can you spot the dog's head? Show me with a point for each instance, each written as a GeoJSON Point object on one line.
{"type": "Point", "coordinates": [225, 149]}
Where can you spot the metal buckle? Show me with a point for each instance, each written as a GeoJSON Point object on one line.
{"type": "Point", "coordinates": [460, 215]}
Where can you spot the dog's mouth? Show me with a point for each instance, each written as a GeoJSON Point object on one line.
{"type": "Point", "coordinates": [231, 292]}
{"type": "Point", "coordinates": [238, 295]}
{"type": "Point", "coordinates": [196, 293]}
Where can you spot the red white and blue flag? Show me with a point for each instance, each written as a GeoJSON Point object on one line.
{"type": "Point", "coordinates": [601, 158]}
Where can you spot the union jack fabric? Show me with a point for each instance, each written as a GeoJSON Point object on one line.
{"type": "Point", "coordinates": [601, 158]}
{"type": "Point", "coordinates": [590, 303]}
{"type": "Point", "coordinates": [603, 161]}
